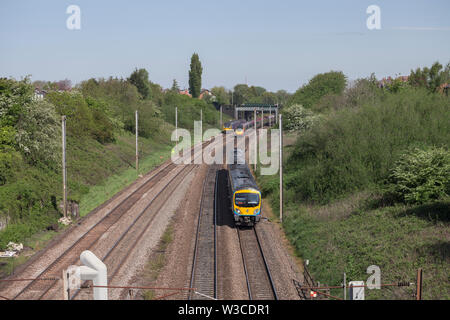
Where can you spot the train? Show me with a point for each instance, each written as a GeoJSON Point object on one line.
{"type": "Point", "coordinates": [245, 194]}
{"type": "Point", "coordinates": [238, 127]}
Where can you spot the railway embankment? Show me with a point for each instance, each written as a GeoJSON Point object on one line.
{"type": "Point", "coordinates": [368, 185]}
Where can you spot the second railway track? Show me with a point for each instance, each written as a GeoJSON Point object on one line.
{"type": "Point", "coordinates": [204, 267]}
{"type": "Point", "coordinates": [36, 289]}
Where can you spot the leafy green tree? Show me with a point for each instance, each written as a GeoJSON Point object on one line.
{"type": "Point", "coordinates": [319, 86]}
{"type": "Point", "coordinates": [157, 93]}
{"type": "Point", "coordinates": [37, 132]}
{"type": "Point", "coordinates": [8, 155]}
{"type": "Point", "coordinates": [175, 87]}
{"type": "Point", "coordinates": [221, 94]}
{"type": "Point", "coordinates": [430, 78]}
{"type": "Point", "coordinates": [242, 94]}
{"type": "Point", "coordinates": [282, 96]}
{"type": "Point", "coordinates": [269, 98]}
{"type": "Point", "coordinates": [257, 91]}
{"type": "Point", "coordinates": [195, 76]}
{"type": "Point", "coordinates": [139, 78]}
{"type": "Point", "coordinates": [86, 117]}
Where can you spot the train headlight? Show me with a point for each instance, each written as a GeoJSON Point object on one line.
{"type": "Point", "coordinates": [237, 211]}
{"type": "Point", "coordinates": [257, 211]}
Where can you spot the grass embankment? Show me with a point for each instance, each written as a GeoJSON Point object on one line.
{"type": "Point", "coordinates": [153, 155]}
{"type": "Point", "coordinates": [110, 170]}
{"type": "Point", "coordinates": [338, 213]}
{"type": "Point", "coordinates": [100, 152]}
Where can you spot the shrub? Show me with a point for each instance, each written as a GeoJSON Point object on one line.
{"type": "Point", "coordinates": [318, 87]}
{"type": "Point", "coordinates": [85, 116]}
{"type": "Point", "coordinates": [38, 130]}
{"type": "Point", "coordinates": [298, 118]}
{"type": "Point", "coordinates": [421, 176]}
{"type": "Point", "coordinates": [356, 148]}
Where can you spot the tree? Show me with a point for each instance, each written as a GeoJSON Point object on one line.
{"type": "Point", "coordinates": [269, 98]}
{"type": "Point", "coordinates": [242, 94]}
{"type": "Point", "coordinates": [257, 91]}
{"type": "Point", "coordinates": [175, 87]}
{"type": "Point", "coordinates": [282, 96]}
{"type": "Point", "coordinates": [430, 78]}
{"type": "Point", "coordinates": [139, 78]}
{"type": "Point", "coordinates": [319, 86]}
{"type": "Point", "coordinates": [64, 85]}
{"type": "Point", "coordinates": [297, 118]}
{"type": "Point", "coordinates": [221, 94]}
{"type": "Point", "coordinates": [195, 76]}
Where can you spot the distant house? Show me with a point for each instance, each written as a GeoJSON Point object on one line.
{"type": "Point", "coordinates": [205, 92]}
{"type": "Point", "coordinates": [403, 78]}
{"type": "Point", "coordinates": [385, 81]}
{"type": "Point", "coordinates": [185, 92]}
{"type": "Point", "coordinates": [444, 88]}
{"type": "Point", "coordinates": [39, 94]}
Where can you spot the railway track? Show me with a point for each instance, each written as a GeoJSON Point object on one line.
{"type": "Point", "coordinates": [204, 265]}
{"type": "Point", "coordinates": [259, 280]}
{"type": "Point", "coordinates": [41, 289]}
{"type": "Point", "coordinates": [119, 252]}
{"type": "Point", "coordinates": [87, 240]}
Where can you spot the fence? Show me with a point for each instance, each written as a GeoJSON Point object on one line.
{"type": "Point", "coordinates": [312, 290]}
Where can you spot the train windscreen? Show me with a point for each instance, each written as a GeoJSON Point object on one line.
{"type": "Point", "coordinates": [247, 199]}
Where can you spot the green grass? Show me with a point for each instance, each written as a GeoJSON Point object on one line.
{"type": "Point", "coordinates": [355, 148]}
{"type": "Point", "coordinates": [399, 239]}
{"type": "Point", "coordinates": [104, 191]}
{"type": "Point", "coordinates": [335, 211]}
{"type": "Point", "coordinates": [31, 245]}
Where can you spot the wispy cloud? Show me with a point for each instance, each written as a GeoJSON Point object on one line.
{"type": "Point", "coordinates": [422, 28]}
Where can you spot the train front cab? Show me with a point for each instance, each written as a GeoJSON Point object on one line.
{"type": "Point", "coordinates": [246, 207]}
{"type": "Point", "coordinates": [227, 127]}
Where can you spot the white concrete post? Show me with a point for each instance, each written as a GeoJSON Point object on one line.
{"type": "Point", "coordinates": [358, 292]}
{"type": "Point", "coordinates": [94, 269]}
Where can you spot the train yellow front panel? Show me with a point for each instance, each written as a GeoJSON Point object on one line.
{"type": "Point", "coordinates": [253, 210]}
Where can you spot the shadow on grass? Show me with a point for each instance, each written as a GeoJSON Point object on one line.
{"type": "Point", "coordinates": [438, 211]}
{"type": "Point", "coordinates": [440, 250]}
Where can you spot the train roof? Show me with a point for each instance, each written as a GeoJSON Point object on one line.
{"type": "Point", "coordinates": [241, 177]}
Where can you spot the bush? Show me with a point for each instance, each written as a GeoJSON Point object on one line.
{"type": "Point", "coordinates": [332, 82]}
{"type": "Point", "coordinates": [356, 148]}
{"type": "Point", "coordinates": [421, 176]}
{"type": "Point", "coordinates": [85, 116]}
{"type": "Point", "coordinates": [298, 118]}
{"type": "Point", "coordinates": [38, 130]}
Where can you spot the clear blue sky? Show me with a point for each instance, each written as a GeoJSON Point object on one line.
{"type": "Point", "coordinates": [274, 44]}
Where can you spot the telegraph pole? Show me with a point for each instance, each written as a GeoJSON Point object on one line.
{"type": "Point", "coordinates": [221, 118]}
{"type": "Point", "coordinates": [276, 114]}
{"type": "Point", "coordinates": [64, 171]}
{"type": "Point", "coordinates": [270, 117]}
{"type": "Point", "coordinates": [176, 127]}
{"type": "Point", "coordinates": [345, 287]}
{"type": "Point", "coordinates": [137, 150]}
{"type": "Point", "coordinates": [281, 168]}
{"type": "Point", "coordinates": [256, 144]}
{"type": "Point", "coordinates": [262, 119]}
